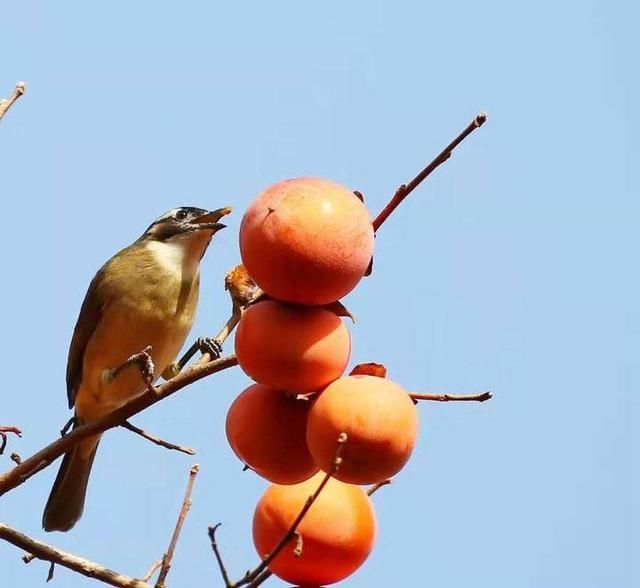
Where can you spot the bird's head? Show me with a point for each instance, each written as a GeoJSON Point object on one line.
{"type": "Point", "coordinates": [184, 223]}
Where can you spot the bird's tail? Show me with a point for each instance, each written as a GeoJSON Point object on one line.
{"type": "Point", "coordinates": [66, 501]}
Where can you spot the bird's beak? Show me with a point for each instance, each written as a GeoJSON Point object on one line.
{"type": "Point", "coordinates": [209, 220]}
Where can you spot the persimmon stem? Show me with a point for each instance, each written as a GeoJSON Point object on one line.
{"type": "Point", "coordinates": [405, 189]}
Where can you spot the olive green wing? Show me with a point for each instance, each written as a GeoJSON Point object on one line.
{"type": "Point", "coordinates": [90, 315]}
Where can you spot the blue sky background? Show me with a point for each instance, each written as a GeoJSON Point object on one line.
{"type": "Point", "coordinates": [513, 268]}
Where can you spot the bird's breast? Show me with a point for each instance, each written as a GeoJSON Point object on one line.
{"type": "Point", "coordinates": [154, 306]}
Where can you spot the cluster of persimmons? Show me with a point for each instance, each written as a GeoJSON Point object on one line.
{"type": "Point", "coordinates": [307, 242]}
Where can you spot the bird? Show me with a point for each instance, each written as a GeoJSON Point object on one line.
{"type": "Point", "coordinates": [143, 298]}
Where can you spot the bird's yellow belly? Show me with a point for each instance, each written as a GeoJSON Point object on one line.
{"type": "Point", "coordinates": [121, 333]}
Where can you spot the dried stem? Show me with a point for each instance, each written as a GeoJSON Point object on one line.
{"type": "Point", "coordinates": [405, 189]}
{"type": "Point", "coordinates": [6, 104]}
{"type": "Point", "coordinates": [483, 397]}
{"type": "Point", "coordinates": [154, 439]}
{"type": "Point", "coordinates": [45, 552]}
{"type": "Point", "coordinates": [46, 456]}
{"type": "Point", "coordinates": [186, 505]}
{"type": "Point", "coordinates": [373, 489]}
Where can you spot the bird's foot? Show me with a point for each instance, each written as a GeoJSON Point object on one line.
{"type": "Point", "coordinates": [144, 363]}
{"type": "Point", "coordinates": [67, 426]}
{"type": "Point", "coordinates": [209, 345]}
{"type": "Point", "coordinates": [206, 345]}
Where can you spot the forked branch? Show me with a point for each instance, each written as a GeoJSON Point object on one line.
{"type": "Point", "coordinates": [45, 552]}
{"type": "Point", "coordinates": [46, 456]}
{"type": "Point", "coordinates": [260, 573]}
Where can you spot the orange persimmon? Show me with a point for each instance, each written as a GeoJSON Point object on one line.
{"type": "Point", "coordinates": [337, 533]}
{"type": "Point", "coordinates": [266, 430]}
{"type": "Point", "coordinates": [380, 420]}
{"type": "Point", "coordinates": [306, 240]}
{"type": "Point", "coordinates": [293, 348]}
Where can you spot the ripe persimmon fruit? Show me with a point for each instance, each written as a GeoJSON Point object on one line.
{"type": "Point", "coordinates": [380, 420]}
{"type": "Point", "coordinates": [293, 348]}
{"type": "Point", "coordinates": [337, 533]}
{"type": "Point", "coordinates": [306, 240]}
{"type": "Point", "coordinates": [266, 430]}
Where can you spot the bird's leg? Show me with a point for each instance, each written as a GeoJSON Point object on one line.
{"type": "Point", "coordinates": [67, 426]}
{"type": "Point", "coordinates": [143, 361]}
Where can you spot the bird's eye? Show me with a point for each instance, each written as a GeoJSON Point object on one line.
{"type": "Point", "coordinates": [181, 214]}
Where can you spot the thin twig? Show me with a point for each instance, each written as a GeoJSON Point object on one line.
{"type": "Point", "coordinates": [263, 577]}
{"type": "Point", "coordinates": [186, 505]}
{"type": "Point", "coordinates": [154, 439]}
{"type": "Point", "coordinates": [373, 489]}
{"type": "Point", "coordinates": [46, 456]}
{"type": "Point", "coordinates": [405, 189]}
{"type": "Point", "coordinates": [218, 555]}
{"type": "Point", "coordinates": [252, 575]}
{"type": "Point", "coordinates": [6, 104]}
{"type": "Point", "coordinates": [483, 397]}
{"type": "Point", "coordinates": [80, 565]}
{"type": "Point", "coordinates": [152, 568]}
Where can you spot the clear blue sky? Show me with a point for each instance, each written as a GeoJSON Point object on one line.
{"type": "Point", "coordinates": [514, 268]}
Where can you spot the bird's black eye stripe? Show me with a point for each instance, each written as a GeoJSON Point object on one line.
{"type": "Point", "coordinates": [181, 214]}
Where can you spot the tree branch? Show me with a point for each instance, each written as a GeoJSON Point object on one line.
{"type": "Point", "coordinates": [405, 189]}
{"type": "Point", "coordinates": [260, 573]}
{"type": "Point", "coordinates": [6, 104]}
{"type": "Point", "coordinates": [46, 456]}
{"type": "Point", "coordinates": [82, 566]}
{"type": "Point", "coordinates": [161, 442]}
{"type": "Point", "coordinates": [186, 505]}
{"type": "Point", "coordinates": [218, 555]}
{"type": "Point", "coordinates": [483, 397]}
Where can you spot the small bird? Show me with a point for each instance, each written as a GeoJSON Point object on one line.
{"type": "Point", "coordinates": [143, 298]}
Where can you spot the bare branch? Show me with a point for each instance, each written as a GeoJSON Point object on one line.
{"type": "Point", "coordinates": [6, 104]}
{"type": "Point", "coordinates": [186, 505]}
{"type": "Point", "coordinates": [45, 552]}
{"type": "Point", "coordinates": [405, 189]}
{"type": "Point", "coordinates": [263, 577]}
{"type": "Point", "coordinates": [254, 574]}
{"type": "Point", "coordinates": [218, 555]}
{"type": "Point", "coordinates": [51, 452]}
{"type": "Point", "coordinates": [161, 442]}
{"type": "Point", "coordinates": [483, 397]}
{"type": "Point", "coordinates": [152, 568]}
